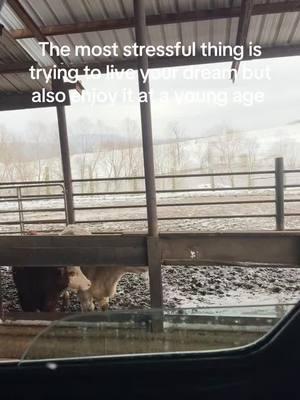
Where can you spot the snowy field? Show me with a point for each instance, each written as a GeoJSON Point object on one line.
{"type": "Point", "coordinates": [184, 286]}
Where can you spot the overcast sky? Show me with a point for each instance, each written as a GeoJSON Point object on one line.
{"type": "Point", "coordinates": [214, 107]}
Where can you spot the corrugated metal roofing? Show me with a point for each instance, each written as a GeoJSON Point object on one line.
{"type": "Point", "coordinates": [12, 52]}
{"type": "Point", "coordinates": [268, 30]}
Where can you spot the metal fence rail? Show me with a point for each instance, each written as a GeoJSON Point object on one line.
{"type": "Point", "coordinates": [18, 193]}
{"type": "Point", "coordinates": [17, 197]}
{"type": "Point", "coordinates": [277, 191]}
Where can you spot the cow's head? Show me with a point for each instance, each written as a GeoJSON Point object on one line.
{"type": "Point", "coordinates": [77, 280]}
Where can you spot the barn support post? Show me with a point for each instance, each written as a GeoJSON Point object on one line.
{"type": "Point", "coordinates": [146, 121]}
{"type": "Point", "coordinates": [66, 164]}
{"type": "Point", "coordinates": [279, 193]}
{"type": "Point", "coordinates": [155, 276]}
{"type": "Point", "coordinates": [1, 298]}
{"type": "Point", "coordinates": [154, 257]}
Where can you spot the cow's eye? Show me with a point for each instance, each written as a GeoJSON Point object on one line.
{"type": "Point", "coordinates": [72, 273]}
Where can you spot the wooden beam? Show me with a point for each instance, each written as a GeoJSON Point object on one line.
{"type": "Point", "coordinates": [9, 102]}
{"type": "Point", "coordinates": [273, 248]}
{"type": "Point", "coordinates": [229, 248]}
{"type": "Point", "coordinates": [31, 26]}
{"type": "Point", "coordinates": [15, 68]}
{"type": "Point", "coordinates": [105, 250]}
{"type": "Point", "coordinates": [242, 33]}
{"type": "Point", "coordinates": [171, 18]}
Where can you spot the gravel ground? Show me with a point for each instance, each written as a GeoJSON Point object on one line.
{"type": "Point", "coordinates": [194, 287]}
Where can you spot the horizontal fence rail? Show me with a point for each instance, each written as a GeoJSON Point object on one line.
{"type": "Point", "coordinates": [14, 198]}
{"type": "Point", "coordinates": [37, 204]}
{"type": "Point", "coordinates": [197, 191]}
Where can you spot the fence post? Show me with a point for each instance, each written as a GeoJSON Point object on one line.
{"type": "Point", "coordinates": [279, 193]}
{"type": "Point", "coordinates": [20, 209]}
{"type": "Point", "coordinates": [65, 204]}
{"type": "Point", "coordinates": [212, 178]}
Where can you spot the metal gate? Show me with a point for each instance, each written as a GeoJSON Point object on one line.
{"type": "Point", "coordinates": [23, 206]}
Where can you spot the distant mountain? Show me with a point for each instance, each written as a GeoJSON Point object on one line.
{"type": "Point", "coordinates": [88, 143]}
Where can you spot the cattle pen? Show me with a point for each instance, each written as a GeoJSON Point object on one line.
{"type": "Point", "coordinates": [138, 21]}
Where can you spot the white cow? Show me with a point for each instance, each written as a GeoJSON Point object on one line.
{"type": "Point", "coordinates": [77, 280]}
{"type": "Point", "coordinates": [104, 279]}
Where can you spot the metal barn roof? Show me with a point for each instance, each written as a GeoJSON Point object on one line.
{"type": "Point", "coordinates": [12, 54]}
{"type": "Point", "coordinates": [273, 24]}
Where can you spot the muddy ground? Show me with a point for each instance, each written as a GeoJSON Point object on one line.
{"type": "Point", "coordinates": [194, 287]}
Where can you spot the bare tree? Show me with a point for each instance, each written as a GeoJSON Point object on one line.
{"type": "Point", "coordinates": [292, 155]}
{"type": "Point", "coordinates": [84, 128]}
{"type": "Point", "coordinates": [9, 153]}
{"type": "Point", "coordinates": [162, 162]}
{"type": "Point", "coordinates": [25, 170]}
{"type": "Point", "coordinates": [52, 141]}
{"type": "Point", "coordinates": [133, 155]}
{"type": "Point", "coordinates": [251, 147]}
{"type": "Point", "coordinates": [206, 160]}
{"type": "Point", "coordinates": [228, 146]}
{"type": "Point", "coordinates": [289, 150]}
{"type": "Point", "coordinates": [37, 132]}
{"type": "Point", "coordinates": [82, 160]}
{"type": "Point", "coordinates": [113, 161]}
{"type": "Point", "coordinates": [94, 160]}
{"type": "Point", "coordinates": [176, 150]}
